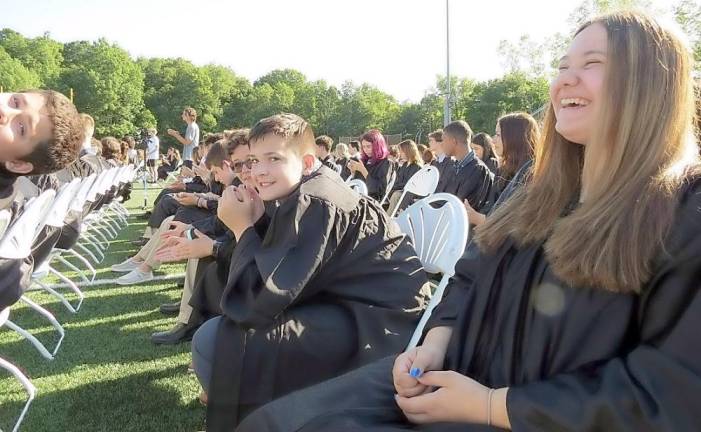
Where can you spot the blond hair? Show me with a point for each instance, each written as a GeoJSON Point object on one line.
{"type": "Point", "coordinates": [629, 175]}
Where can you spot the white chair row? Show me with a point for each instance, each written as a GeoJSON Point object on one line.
{"type": "Point", "coordinates": [51, 209]}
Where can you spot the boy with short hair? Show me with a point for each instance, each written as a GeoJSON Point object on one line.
{"type": "Point", "coordinates": [442, 161]}
{"type": "Point", "coordinates": [192, 135]}
{"type": "Point", "coordinates": [468, 177]}
{"type": "Point", "coordinates": [40, 132]}
{"type": "Point", "coordinates": [331, 285]}
{"type": "Point", "coordinates": [323, 152]}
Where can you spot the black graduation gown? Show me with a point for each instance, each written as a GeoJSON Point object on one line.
{"type": "Point", "coordinates": [345, 171]}
{"type": "Point", "coordinates": [332, 285]}
{"type": "Point", "coordinates": [472, 182]}
{"type": "Point", "coordinates": [575, 358]}
{"type": "Point", "coordinates": [492, 164]}
{"type": "Point", "coordinates": [445, 169]}
{"type": "Point", "coordinates": [404, 173]}
{"type": "Point", "coordinates": [379, 173]}
{"type": "Point", "coordinates": [15, 274]}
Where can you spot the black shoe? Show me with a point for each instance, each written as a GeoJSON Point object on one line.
{"type": "Point", "coordinates": [170, 308]}
{"type": "Point", "coordinates": [140, 242]}
{"type": "Point", "coordinates": [181, 284]}
{"type": "Point", "coordinates": [178, 334]}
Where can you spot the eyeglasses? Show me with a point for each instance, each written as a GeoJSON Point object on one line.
{"type": "Point", "coordinates": [237, 166]}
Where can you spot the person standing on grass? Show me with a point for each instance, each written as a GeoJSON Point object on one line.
{"type": "Point", "coordinates": [192, 135]}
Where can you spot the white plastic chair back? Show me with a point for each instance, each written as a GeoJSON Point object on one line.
{"type": "Point", "coordinates": [17, 241]}
{"type": "Point", "coordinates": [5, 218]}
{"type": "Point", "coordinates": [61, 205]}
{"type": "Point", "coordinates": [82, 195]}
{"type": "Point", "coordinates": [359, 186]}
{"type": "Point", "coordinates": [390, 185]}
{"type": "Point", "coordinates": [423, 183]}
{"type": "Point", "coordinates": [439, 236]}
{"type": "Point", "coordinates": [96, 187]}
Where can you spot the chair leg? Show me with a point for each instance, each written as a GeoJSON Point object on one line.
{"type": "Point", "coordinates": [38, 345]}
{"type": "Point", "coordinates": [28, 386]}
{"type": "Point", "coordinates": [84, 261]}
{"type": "Point", "coordinates": [87, 251]}
{"type": "Point", "coordinates": [68, 264]}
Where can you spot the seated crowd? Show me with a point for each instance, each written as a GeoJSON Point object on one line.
{"type": "Point", "coordinates": [574, 306]}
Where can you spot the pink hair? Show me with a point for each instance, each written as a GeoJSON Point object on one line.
{"type": "Point", "coordinates": [379, 146]}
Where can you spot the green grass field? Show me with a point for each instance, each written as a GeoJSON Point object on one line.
{"type": "Point", "coordinates": [107, 376]}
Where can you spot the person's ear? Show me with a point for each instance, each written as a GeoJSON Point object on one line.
{"type": "Point", "coordinates": [308, 161]}
{"type": "Point", "coordinates": [19, 167]}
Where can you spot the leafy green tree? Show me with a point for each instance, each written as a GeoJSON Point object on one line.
{"type": "Point", "coordinates": [513, 92]}
{"type": "Point", "coordinates": [41, 55]}
{"type": "Point", "coordinates": [14, 76]}
{"type": "Point", "coordinates": [107, 84]}
{"type": "Point", "coordinates": [170, 85]}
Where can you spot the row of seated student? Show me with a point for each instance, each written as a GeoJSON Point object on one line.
{"type": "Point", "coordinates": [573, 308]}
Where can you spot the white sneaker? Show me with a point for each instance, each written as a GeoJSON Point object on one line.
{"type": "Point", "coordinates": [125, 266]}
{"type": "Point", "coordinates": [134, 277]}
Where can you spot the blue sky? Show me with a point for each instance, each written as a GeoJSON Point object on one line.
{"type": "Point", "coordinates": [396, 45]}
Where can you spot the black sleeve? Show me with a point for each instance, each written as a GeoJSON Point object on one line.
{"type": "Point", "coordinates": [656, 386]}
{"type": "Point", "coordinates": [264, 279]}
{"type": "Point", "coordinates": [15, 280]}
{"type": "Point", "coordinates": [377, 179]}
{"type": "Point", "coordinates": [476, 187]}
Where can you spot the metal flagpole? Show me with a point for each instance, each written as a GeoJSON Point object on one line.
{"type": "Point", "coordinates": [448, 95]}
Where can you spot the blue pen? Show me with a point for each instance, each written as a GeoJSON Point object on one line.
{"type": "Point", "coordinates": [415, 372]}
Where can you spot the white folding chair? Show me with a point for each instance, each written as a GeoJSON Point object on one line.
{"type": "Point", "coordinates": [28, 386]}
{"type": "Point", "coordinates": [423, 183]}
{"type": "Point", "coordinates": [54, 218]}
{"type": "Point", "coordinates": [359, 186]}
{"type": "Point", "coordinates": [16, 244]}
{"type": "Point", "coordinates": [390, 185]}
{"type": "Point", "coordinates": [439, 236]}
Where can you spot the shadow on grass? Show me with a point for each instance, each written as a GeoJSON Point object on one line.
{"type": "Point", "coordinates": [139, 402]}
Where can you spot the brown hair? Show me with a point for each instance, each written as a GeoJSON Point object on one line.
{"type": "Point", "coordinates": [67, 135]}
{"type": "Point", "coordinates": [628, 175]}
{"type": "Point", "coordinates": [437, 135]}
{"type": "Point", "coordinates": [211, 138]}
{"type": "Point", "coordinates": [411, 151]}
{"type": "Point", "coordinates": [485, 141]}
{"type": "Point", "coordinates": [325, 142]}
{"type": "Point", "coordinates": [460, 130]}
{"type": "Point", "coordinates": [428, 156]}
{"type": "Point", "coordinates": [519, 135]}
{"type": "Point", "coordinates": [111, 148]}
{"type": "Point", "coordinates": [222, 150]}
{"type": "Point", "coordinates": [130, 141]}
{"type": "Point", "coordinates": [190, 112]}
{"type": "Point", "coordinates": [291, 127]}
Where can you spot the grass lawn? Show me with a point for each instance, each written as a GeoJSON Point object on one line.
{"type": "Point", "coordinates": [107, 376]}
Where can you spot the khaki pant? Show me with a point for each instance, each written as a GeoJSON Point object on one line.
{"type": "Point", "coordinates": [148, 251]}
{"type": "Point", "coordinates": [185, 308]}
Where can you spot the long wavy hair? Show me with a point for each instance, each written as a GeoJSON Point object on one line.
{"type": "Point", "coordinates": [627, 177]}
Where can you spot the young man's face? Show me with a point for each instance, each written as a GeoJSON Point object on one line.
{"type": "Point", "coordinates": [238, 164]}
{"type": "Point", "coordinates": [434, 145]}
{"type": "Point", "coordinates": [321, 152]}
{"type": "Point", "coordinates": [223, 174]}
{"type": "Point", "coordinates": [276, 169]}
{"type": "Point", "coordinates": [23, 124]}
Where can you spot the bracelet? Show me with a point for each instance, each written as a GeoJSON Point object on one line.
{"type": "Point", "coordinates": [489, 407]}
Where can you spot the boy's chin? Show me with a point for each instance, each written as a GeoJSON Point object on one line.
{"type": "Point", "coordinates": [273, 193]}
